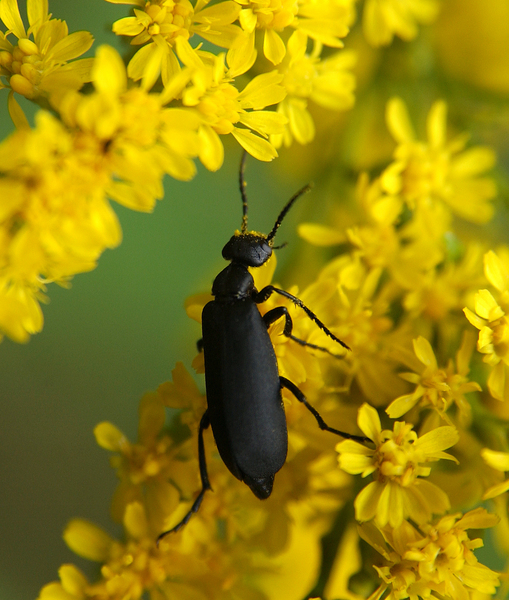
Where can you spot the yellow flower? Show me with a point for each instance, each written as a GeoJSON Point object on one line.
{"type": "Point", "coordinates": [72, 585]}
{"type": "Point", "coordinates": [491, 319]}
{"type": "Point", "coordinates": [56, 219]}
{"type": "Point", "coordinates": [329, 83]}
{"type": "Point", "coordinates": [164, 28]}
{"type": "Point", "coordinates": [383, 19]}
{"type": "Point", "coordinates": [40, 66]}
{"type": "Point", "coordinates": [437, 388]}
{"type": "Point", "coordinates": [434, 559]}
{"type": "Point", "coordinates": [207, 87]}
{"type": "Point", "coordinates": [398, 464]}
{"type": "Point", "coordinates": [325, 21]}
{"type": "Point", "coordinates": [438, 172]}
{"type": "Point", "coordinates": [500, 462]}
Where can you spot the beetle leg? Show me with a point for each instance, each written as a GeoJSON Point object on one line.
{"type": "Point", "coordinates": [199, 345]}
{"type": "Point", "coordinates": [205, 483]}
{"type": "Point", "coordinates": [268, 290]}
{"type": "Point", "coordinates": [286, 383]}
{"type": "Point", "coordinates": [281, 311]}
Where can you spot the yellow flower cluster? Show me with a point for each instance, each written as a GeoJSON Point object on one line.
{"type": "Point", "coordinates": [172, 105]}
{"type": "Point", "coordinates": [417, 267]}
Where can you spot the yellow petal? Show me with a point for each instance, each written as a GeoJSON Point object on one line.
{"type": "Point", "coordinates": [264, 122]}
{"type": "Point", "coordinates": [109, 437]}
{"type": "Point", "coordinates": [73, 580]}
{"type": "Point", "coordinates": [321, 235]}
{"type": "Point", "coordinates": [366, 503]}
{"type": "Point", "coordinates": [9, 13]}
{"type": "Point", "coordinates": [262, 91]}
{"type": "Point", "coordinates": [437, 124]}
{"type": "Point", "coordinates": [496, 271]}
{"type": "Point", "coordinates": [37, 10]}
{"type": "Point", "coordinates": [424, 352]}
{"type": "Point", "coordinates": [17, 115]}
{"type": "Point", "coordinates": [398, 121]}
{"type": "Point", "coordinates": [254, 144]}
{"type": "Point", "coordinates": [88, 540]}
{"type": "Point", "coordinates": [273, 47]}
{"type": "Point", "coordinates": [369, 422]}
{"type": "Point", "coordinates": [437, 440]}
{"type": "Point", "coordinates": [72, 46]}
{"type": "Point", "coordinates": [211, 148]}
{"type": "Point", "coordinates": [135, 520]}
{"type": "Point", "coordinates": [108, 72]}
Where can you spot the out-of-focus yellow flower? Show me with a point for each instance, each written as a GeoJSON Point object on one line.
{"type": "Point", "coordinates": [438, 388]}
{"type": "Point", "coordinates": [326, 22]}
{"type": "Point", "coordinates": [434, 559]}
{"type": "Point", "coordinates": [500, 462]}
{"type": "Point", "coordinates": [56, 219]}
{"type": "Point", "coordinates": [398, 464]}
{"type": "Point", "coordinates": [39, 67]}
{"type": "Point", "coordinates": [329, 83]}
{"type": "Point", "coordinates": [438, 171]}
{"type": "Point", "coordinates": [164, 27]}
{"type": "Point", "coordinates": [208, 88]}
{"type": "Point", "coordinates": [491, 319]}
{"type": "Point", "coordinates": [383, 19]}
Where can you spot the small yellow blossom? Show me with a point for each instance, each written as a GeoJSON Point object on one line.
{"type": "Point", "coordinates": [56, 218]}
{"type": "Point", "coordinates": [500, 462]}
{"type": "Point", "coordinates": [163, 28]}
{"type": "Point", "coordinates": [329, 83]}
{"type": "Point", "coordinates": [398, 464]}
{"type": "Point", "coordinates": [437, 388]}
{"type": "Point", "coordinates": [434, 559]}
{"type": "Point", "coordinates": [439, 171]}
{"type": "Point", "coordinates": [491, 318]}
{"type": "Point", "coordinates": [383, 19]}
{"type": "Point", "coordinates": [41, 66]}
{"type": "Point", "coordinates": [209, 89]}
{"type": "Point", "coordinates": [326, 22]}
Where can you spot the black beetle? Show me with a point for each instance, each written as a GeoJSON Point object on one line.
{"type": "Point", "coordinates": [244, 402]}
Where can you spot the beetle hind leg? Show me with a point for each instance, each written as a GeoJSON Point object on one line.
{"type": "Point", "coordinates": [205, 483]}
{"type": "Point", "coordinates": [286, 383]}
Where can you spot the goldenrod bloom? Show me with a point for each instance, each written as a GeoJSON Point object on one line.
{"type": "Point", "coordinates": [500, 462]}
{"type": "Point", "coordinates": [326, 22]}
{"type": "Point", "coordinates": [40, 66]}
{"type": "Point", "coordinates": [439, 171]}
{"type": "Point", "coordinates": [383, 19]}
{"type": "Point", "coordinates": [398, 464]}
{"type": "Point", "coordinates": [437, 388]}
{"type": "Point", "coordinates": [329, 83]}
{"type": "Point", "coordinates": [433, 559]}
{"type": "Point", "coordinates": [164, 27]}
{"type": "Point", "coordinates": [209, 89]}
{"type": "Point", "coordinates": [491, 318]}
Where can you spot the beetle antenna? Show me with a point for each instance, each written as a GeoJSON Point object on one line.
{"type": "Point", "coordinates": [242, 185]}
{"type": "Point", "coordinates": [282, 214]}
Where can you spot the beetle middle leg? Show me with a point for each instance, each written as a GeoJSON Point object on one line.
{"type": "Point", "coordinates": [274, 314]}
{"type": "Point", "coordinates": [286, 383]}
{"type": "Point", "coordinates": [265, 293]}
{"type": "Point", "coordinates": [205, 483]}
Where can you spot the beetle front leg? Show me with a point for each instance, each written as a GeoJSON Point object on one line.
{"type": "Point", "coordinates": [286, 383]}
{"type": "Point", "coordinates": [205, 483]}
{"type": "Point", "coordinates": [267, 292]}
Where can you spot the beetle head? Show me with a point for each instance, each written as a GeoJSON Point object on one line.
{"type": "Point", "coordinates": [250, 249]}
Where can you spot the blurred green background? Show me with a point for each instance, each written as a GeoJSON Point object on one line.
{"type": "Point", "coordinates": [114, 335]}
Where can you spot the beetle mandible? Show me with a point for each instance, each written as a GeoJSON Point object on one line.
{"type": "Point", "coordinates": [243, 385]}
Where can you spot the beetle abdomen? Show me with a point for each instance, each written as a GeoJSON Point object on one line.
{"type": "Point", "coordinates": [244, 393]}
